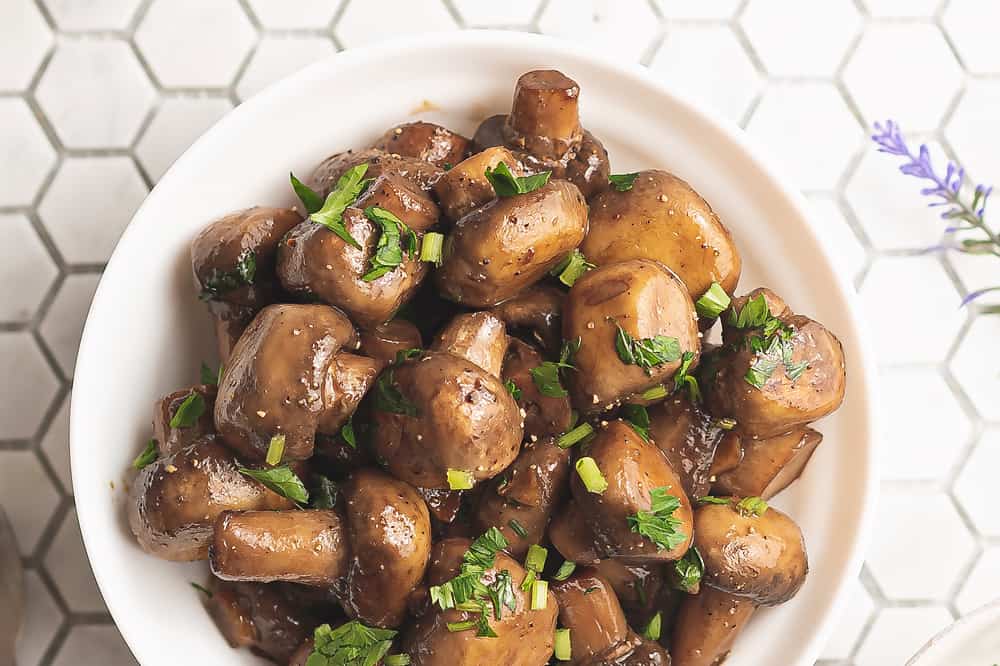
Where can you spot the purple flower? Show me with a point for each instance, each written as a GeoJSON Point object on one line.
{"type": "Point", "coordinates": [945, 191]}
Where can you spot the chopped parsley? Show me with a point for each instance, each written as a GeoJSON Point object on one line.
{"type": "Point", "coordinates": [571, 268]}
{"type": "Point", "coordinates": [688, 571]}
{"type": "Point", "coordinates": [506, 184]}
{"type": "Point", "coordinates": [281, 480]}
{"type": "Point", "coordinates": [189, 411]}
{"type": "Point", "coordinates": [209, 376]}
{"type": "Point", "coordinates": [654, 628]}
{"type": "Point", "coordinates": [637, 417]}
{"type": "Point", "coordinates": [147, 457]}
{"type": "Point", "coordinates": [752, 506]}
{"type": "Point", "coordinates": [388, 397]}
{"type": "Point", "coordinates": [513, 389]}
{"type": "Point", "coordinates": [350, 644]}
{"type": "Point", "coordinates": [468, 592]}
{"type": "Point", "coordinates": [622, 181]}
{"type": "Point", "coordinates": [683, 380]}
{"type": "Point", "coordinates": [711, 499]}
{"type": "Point", "coordinates": [646, 352]}
{"type": "Point", "coordinates": [772, 347]}
{"type": "Point", "coordinates": [331, 215]}
{"type": "Point", "coordinates": [396, 240]}
{"type": "Point", "coordinates": [659, 524]}
{"type": "Point", "coordinates": [219, 282]}
{"type": "Point", "coordinates": [546, 376]}
{"type": "Point", "coordinates": [323, 493]}
{"type": "Point", "coordinates": [309, 197]}
{"type": "Point", "coordinates": [347, 433]}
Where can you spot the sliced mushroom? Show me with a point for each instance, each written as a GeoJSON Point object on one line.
{"type": "Point", "coordinates": [441, 412]}
{"type": "Point", "coordinates": [643, 300]}
{"type": "Point", "coordinates": [496, 251]}
{"type": "Point", "coordinates": [769, 465]}
{"type": "Point", "coordinates": [282, 381]}
{"type": "Point", "coordinates": [662, 218]}
{"type": "Point", "coordinates": [632, 468]}
{"type": "Point", "coordinates": [174, 501]}
{"type": "Point", "coordinates": [424, 141]}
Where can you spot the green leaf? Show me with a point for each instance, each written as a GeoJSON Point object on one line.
{"type": "Point", "coordinates": [711, 499]}
{"type": "Point", "coordinates": [571, 268]}
{"type": "Point", "coordinates": [350, 644]}
{"type": "Point", "coordinates": [209, 376]}
{"type": "Point", "coordinates": [646, 352]}
{"type": "Point", "coordinates": [281, 480]}
{"type": "Point", "coordinates": [395, 240]}
{"type": "Point", "coordinates": [752, 506]}
{"type": "Point", "coordinates": [713, 302]}
{"type": "Point", "coordinates": [148, 456]}
{"type": "Point", "coordinates": [653, 629]}
{"type": "Point", "coordinates": [659, 524]}
{"type": "Point", "coordinates": [683, 379]}
{"type": "Point", "coordinates": [323, 493]}
{"type": "Point", "coordinates": [564, 571]}
{"type": "Point", "coordinates": [189, 411]}
{"type": "Point", "coordinates": [506, 184]}
{"type": "Point", "coordinates": [546, 378]}
{"type": "Point", "coordinates": [622, 181]}
{"type": "Point", "coordinates": [688, 571]}
{"type": "Point", "coordinates": [331, 215]}
{"type": "Point", "coordinates": [347, 433]}
{"type": "Point", "coordinates": [568, 351]}
{"type": "Point", "coordinates": [638, 418]}
{"type": "Point", "coordinates": [512, 389]}
{"type": "Point", "coordinates": [220, 282]}
{"type": "Point", "coordinates": [309, 197]}
{"type": "Point", "coordinates": [388, 397]}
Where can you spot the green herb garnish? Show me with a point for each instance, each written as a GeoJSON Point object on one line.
{"type": "Point", "coordinates": [562, 645]}
{"type": "Point", "coordinates": [432, 247]}
{"type": "Point", "coordinates": [752, 506]}
{"type": "Point", "coordinates": [713, 302]}
{"type": "Point", "coordinates": [323, 492]}
{"type": "Point", "coordinates": [350, 644]}
{"type": "Point", "coordinates": [275, 449]}
{"type": "Point", "coordinates": [564, 571]}
{"type": "Point", "coordinates": [281, 480]}
{"type": "Point", "coordinates": [512, 389]}
{"type": "Point", "coordinates": [571, 268]}
{"type": "Point", "coordinates": [622, 181]}
{"type": "Point", "coordinates": [646, 352]}
{"type": "Point", "coordinates": [506, 184]}
{"type": "Point", "coordinates": [711, 499]}
{"type": "Point", "coordinates": [201, 588]}
{"type": "Point", "coordinates": [653, 629]}
{"type": "Point", "coordinates": [577, 434]}
{"type": "Point", "coordinates": [659, 524]}
{"type": "Point", "coordinates": [209, 376]}
{"type": "Point", "coordinates": [309, 197]}
{"type": "Point", "coordinates": [591, 476]}
{"type": "Point", "coordinates": [189, 411]}
{"type": "Point", "coordinates": [459, 479]}
{"type": "Point", "coordinates": [655, 393]}
{"type": "Point", "coordinates": [682, 379]}
{"type": "Point", "coordinates": [219, 282]}
{"type": "Point", "coordinates": [347, 433]}
{"type": "Point", "coordinates": [688, 571]}
{"type": "Point", "coordinates": [147, 457]}
{"type": "Point", "coordinates": [395, 240]}
{"type": "Point", "coordinates": [637, 417]}
{"type": "Point", "coordinates": [331, 215]}
{"type": "Point", "coordinates": [388, 397]}
{"type": "Point", "coordinates": [546, 376]}
{"type": "Point", "coordinates": [517, 527]}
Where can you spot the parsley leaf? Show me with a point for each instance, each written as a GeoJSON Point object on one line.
{"type": "Point", "coordinates": [638, 418]}
{"type": "Point", "coordinates": [571, 268]}
{"type": "Point", "coordinates": [752, 506]}
{"type": "Point", "coordinates": [323, 493]}
{"type": "Point", "coordinates": [309, 197]}
{"type": "Point", "coordinates": [546, 376]}
{"type": "Point", "coordinates": [147, 457]}
{"type": "Point", "coordinates": [189, 411]}
{"type": "Point", "coordinates": [208, 376]}
{"type": "Point", "coordinates": [350, 644]}
{"type": "Point", "coordinates": [754, 314]}
{"type": "Point", "coordinates": [347, 433]}
{"type": "Point", "coordinates": [773, 349]}
{"type": "Point", "coordinates": [682, 378]}
{"type": "Point", "coordinates": [506, 184]}
{"type": "Point", "coordinates": [345, 193]}
{"type": "Point", "coordinates": [622, 181]}
{"type": "Point", "coordinates": [281, 480]}
{"type": "Point", "coordinates": [388, 397]}
{"type": "Point", "coordinates": [646, 352]}
{"type": "Point", "coordinates": [513, 389]}
{"type": "Point", "coordinates": [688, 571]}
{"type": "Point", "coordinates": [219, 282]}
{"type": "Point", "coordinates": [396, 238]}
{"type": "Point", "coordinates": [659, 524]}
{"type": "Point", "coordinates": [712, 499]}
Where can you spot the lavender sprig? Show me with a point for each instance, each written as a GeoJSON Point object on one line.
{"type": "Point", "coordinates": [946, 191]}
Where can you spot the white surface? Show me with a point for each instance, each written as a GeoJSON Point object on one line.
{"type": "Point", "coordinates": [30, 148]}
{"type": "Point", "coordinates": [161, 343]}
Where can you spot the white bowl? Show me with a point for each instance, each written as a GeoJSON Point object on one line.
{"type": "Point", "coordinates": [973, 640]}
{"type": "Point", "coordinates": [147, 332]}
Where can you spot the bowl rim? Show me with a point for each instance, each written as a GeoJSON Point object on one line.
{"type": "Point", "coordinates": [988, 610]}
{"type": "Point", "coordinates": [87, 502]}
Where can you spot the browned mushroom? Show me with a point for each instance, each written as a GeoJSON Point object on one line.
{"type": "Point", "coordinates": [420, 173]}
{"type": "Point", "coordinates": [424, 141]}
{"type": "Point", "coordinates": [383, 342]}
{"type": "Point", "coordinates": [769, 465]}
{"type": "Point", "coordinates": [536, 310]}
{"type": "Point", "coordinates": [194, 422]}
{"type": "Point", "coordinates": [706, 626]}
{"type": "Point", "coordinates": [464, 187]}
{"type": "Point", "coordinates": [544, 415]}
{"type": "Point", "coordinates": [688, 438]}
{"type": "Point", "coordinates": [478, 337]}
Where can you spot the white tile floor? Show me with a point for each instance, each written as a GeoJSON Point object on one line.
{"type": "Point", "coordinates": [96, 101]}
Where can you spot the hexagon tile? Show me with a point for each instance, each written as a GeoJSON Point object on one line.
{"type": "Point", "coordinates": [97, 100]}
